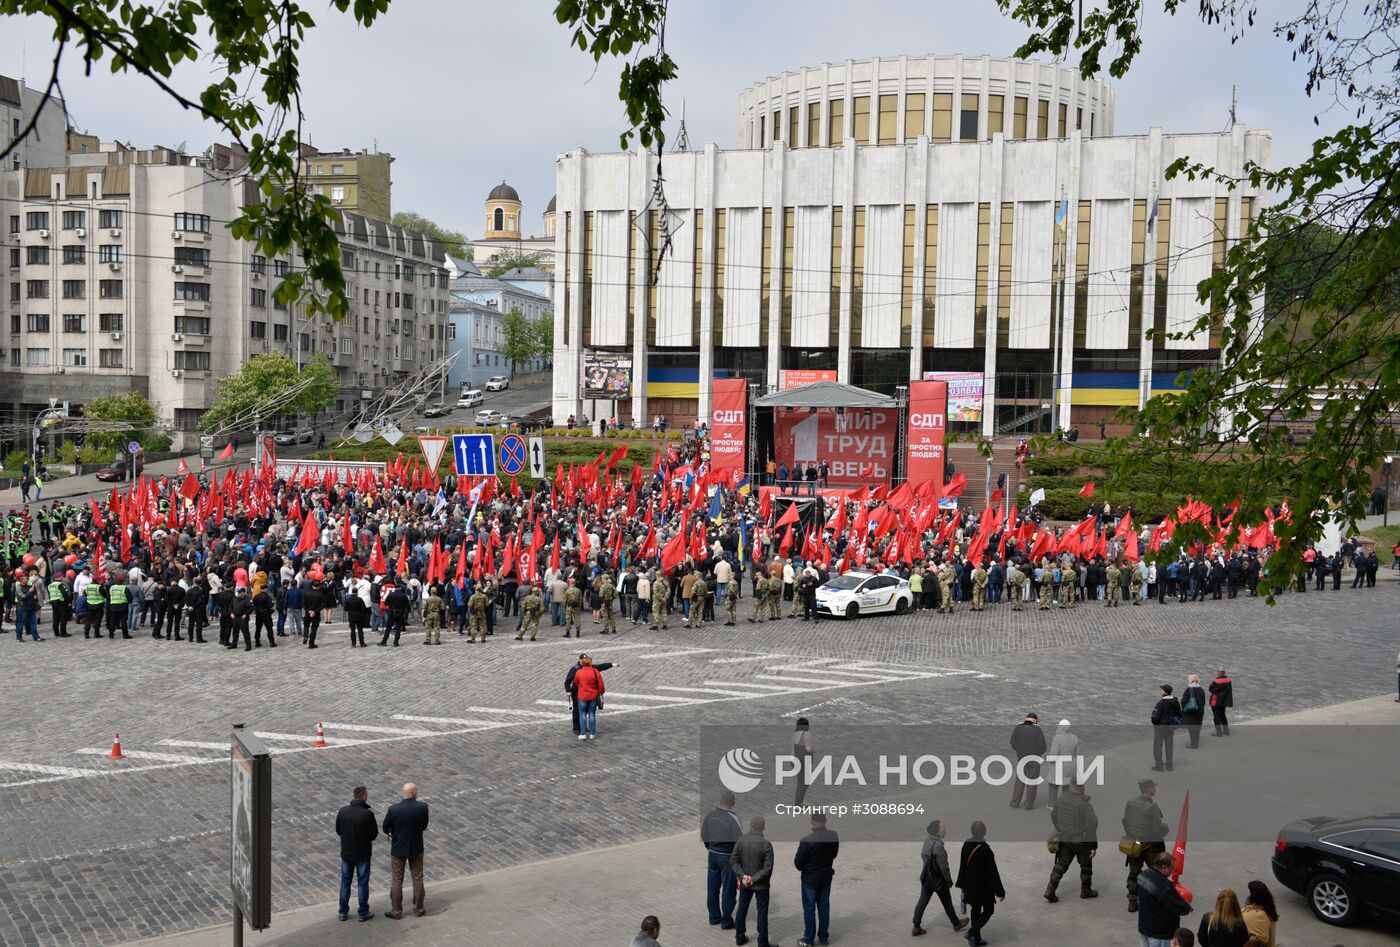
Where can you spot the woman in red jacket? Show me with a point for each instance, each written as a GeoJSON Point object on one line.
{"type": "Point", "coordinates": [589, 681]}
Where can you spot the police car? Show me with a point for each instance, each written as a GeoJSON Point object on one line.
{"type": "Point", "coordinates": [864, 593]}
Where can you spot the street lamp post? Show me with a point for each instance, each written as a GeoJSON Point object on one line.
{"type": "Point", "coordinates": [1385, 507]}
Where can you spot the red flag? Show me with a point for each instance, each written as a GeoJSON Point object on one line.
{"type": "Point", "coordinates": [1042, 547]}
{"type": "Point", "coordinates": [955, 486]}
{"type": "Point", "coordinates": [584, 545]}
{"type": "Point", "coordinates": [461, 562]}
{"type": "Point", "coordinates": [1087, 490]}
{"type": "Point", "coordinates": [554, 554]}
{"type": "Point", "coordinates": [401, 564]}
{"type": "Point", "coordinates": [673, 553]}
{"type": "Point", "coordinates": [1179, 846]}
{"type": "Point", "coordinates": [226, 453]}
{"type": "Point", "coordinates": [996, 497]}
{"type": "Point", "coordinates": [376, 559]}
{"type": "Point", "coordinates": [1130, 548]}
{"type": "Point", "coordinates": [699, 551]}
{"type": "Point", "coordinates": [786, 545]}
{"type": "Point", "coordinates": [183, 468]}
{"type": "Point", "coordinates": [99, 560]}
{"type": "Point", "coordinates": [96, 515]}
{"type": "Point", "coordinates": [310, 535]}
{"type": "Point", "coordinates": [347, 537]}
{"type": "Point", "coordinates": [810, 549]}
{"type": "Point", "coordinates": [508, 558]}
{"type": "Point", "coordinates": [1125, 526]}
{"type": "Point", "coordinates": [765, 505]}
{"type": "Point", "coordinates": [838, 522]}
{"type": "Point", "coordinates": [190, 488]}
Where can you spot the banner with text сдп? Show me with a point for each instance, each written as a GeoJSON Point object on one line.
{"type": "Point", "coordinates": [729, 427]}
{"type": "Point", "coordinates": [928, 416]}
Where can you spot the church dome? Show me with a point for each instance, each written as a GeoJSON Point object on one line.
{"type": "Point", "coordinates": [503, 192]}
{"type": "Point", "coordinates": [550, 208]}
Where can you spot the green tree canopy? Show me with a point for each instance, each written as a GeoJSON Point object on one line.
{"type": "Point", "coordinates": [526, 338]}
{"type": "Point", "coordinates": [266, 386]}
{"type": "Point", "coordinates": [129, 406]}
{"type": "Point", "coordinates": [456, 242]}
{"type": "Point", "coordinates": [505, 262]}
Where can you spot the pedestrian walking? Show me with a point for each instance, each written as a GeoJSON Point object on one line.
{"type": "Point", "coordinates": [404, 824]}
{"type": "Point", "coordinates": [1224, 926]}
{"type": "Point", "coordinates": [979, 881]}
{"type": "Point", "coordinates": [357, 828]}
{"type": "Point", "coordinates": [1061, 759]}
{"type": "Point", "coordinates": [646, 937]}
{"type": "Point", "coordinates": [752, 865]}
{"type": "Point", "coordinates": [1160, 906]}
{"type": "Point", "coordinates": [1260, 914]}
{"type": "Point", "coordinates": [1166, 717]}
{"type": "Point", "coordinates": [1076, 839]}
{"type": "Point", "coordinates": [935, 878]}
{"type": "Point", "coordinates": [1028, 742]}
{"type": "Point", "coordinates": [802, 749]}
{"type": "Point", "coordinates": [1222, 698]}
{"type": "Point", "coordinates": [1144, 835]}
{"type": "Point", "coordinates": [814, 860]}
{"type": "Point", "coordinates": [588, 681]}
{"type": "Point", "coordinates": [1193, 710]}
{"type": "Point", "coordinates": [719, 832]}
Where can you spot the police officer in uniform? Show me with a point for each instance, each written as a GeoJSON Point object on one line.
{"type": "Point", "coordinates": [60, 604]}
{"type": "Point", "coordinates": [1143, 824]}
{"type": "Point", "coordinates": [172, 604]}
{"type": "Point", "coordinates": [531, 609]}
{"type": "Point", "coordinates": [433, 608]}
{"type": "Point", "coordinates": [660, 594]}
{"type": "Point", "coordinates": [196, 598]}
{"type": "Point", "coordinates": [607, 591]}
{"type": "Point", "coordinates": [240, 612]}
{"type": "Point", "coordinates": [573, 604]}
{"type": "Point", "coordinates": [312, 601]}
{"type": "Point", "coordinates": [262, 617]}
{"type": "Point", "coordinates": [117, 606]}
{"type": "Point", "coordinates": [807, 588]}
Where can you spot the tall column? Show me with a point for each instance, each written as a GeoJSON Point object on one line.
{"type": "Point", "coordinates": [707, 281]}
{"type": "Point", "coordinates": [773, 200]}
{"type": "Point", "coordinates": [1075, 144]}
{"type": "Point", "coordinates": [920, 155]}
{"type": "Point", "coordinates": [638, 190]}
{"type": "Point", "coordinates": [996, 155]}
{"type": "Point", "coordinates": [846, 194]}
{"type": "Point", "coordinates": [1150, 182]}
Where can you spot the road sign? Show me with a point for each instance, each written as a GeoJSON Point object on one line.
{"type": "Point", "coordinates": [512, 454]}
{"type": "Point", "coordinates": [133, 448]}
{"type": "Point", "coordinates": [250, 856]}
{"type": "Point", "coordinates": [391, 433]}
{"type": "Point", "coordinates": [432, 447]}
{"type": "Point", "coordinates": [474, 455]}
{"type": "Point", "coordinates": [537, 458]}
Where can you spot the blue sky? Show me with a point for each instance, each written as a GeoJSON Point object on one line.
{"type": "Point", "coordinates": [464, 93]}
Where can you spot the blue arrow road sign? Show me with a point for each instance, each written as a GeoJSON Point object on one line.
{"type": "Point", "coordinates": [512, 454]}
{"type": "Point", "coordinates": [474, 455]}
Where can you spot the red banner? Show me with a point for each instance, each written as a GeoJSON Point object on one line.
{"type": "Point", "coordinates": [858, 446]}
{"type": "Point", "coordinates": [928, 416]}
{"type": "Point", "coordinates": [729, 426]}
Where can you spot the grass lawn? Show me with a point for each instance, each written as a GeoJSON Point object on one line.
{"type": "Point", "coordinates": [1385, 537]}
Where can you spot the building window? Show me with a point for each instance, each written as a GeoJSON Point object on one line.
{"type": "Point", "coordinates": [1018, 118]}
{"type": "Point", "coordinates": [452, 332]}
{"type": "Point", "coordinates": [36, 356]}
{"type": "Point", "coordinates": [75, 253]}
{"type": "Point", "coordinates": [1064, 117]}
{"type": "Point", "coordinates": [337, 169]}
{"type": "Point", "coordinates": [279, 332]}
{"type": "Point", "coordinates": [338, 193]}
{"type": "Point", "coordinates": [765, 278]}
{"type": "Point", "coordinates": [109, 358]}
{"type": "Point", "coordinates": [110, 322]}
{"type": "Point", "coordinates": [192, 223]}
{"type": "Point", "coordinates": [14, 258]}
{"type": "Point", "coordinates": [860, 114]}
{"type": "Point", "coordinates": [192, 256]}
{"type": "Point", "coordinates": [109, 289]}
{"type": "Point", "coordinates": [37, 220]}
{"type": "Point", "coordinates": [14, 292]}
{"type": "Point", "coordinates": [930, 272]}
{"type": "Point", "coordinates": [36, 256]}
{"type": "Point", "coordinates": [835, 122]}
{"type": "Point", "coordinates": [1081, 272]}
{"type": "Point", "coordinates": [1139, 273]}
{"type": "Point", "coordinates": [259, 264]}
{"type": "Point", "coordinates": [913, 115]}
{"type": "Point", "coordinates": [1042, 119]}
{"type": "Point", "coordinates": [347, 346]}
{"type": "Point", "coordinates": [906, 288]}
{"type": "Point", "coordinates": [192, 361]}
{"type": "Point", "coordinates": [37, 322]}
{"type": "Point", "coordinates": [111, 219]}
{"type": "Point", "coordinates": [762, 129]}
{"type": "Point", "coordinates": [1008, 218]}
{"type": "Point", "coordinates": [75, 358]}
{"type": "Point", "coordinates": [36, 289]}
{"type": "Point", "coordinates": [109, 253]}
{"type": "Point", "coordinates": [192, 325]}
{"type": "Point", "coordinates": [996, 114]}
{"type": "Point", "coordinates": [498, 221]}
{"type": "Point", "coordinates": [14, 223]}
{"type": "Point", "coordinates": [75, 289]}
{"type": "Point", "coordinates": [198, 292]}
{"type": "Point", "coordinates": [74, 322]}
{"type": "Point", "coordinates": [814, 124]}
{"type": "Point", "coordinates": [14, 358]}
{"type": "Point", "coordinates": [833, 316]}
{"type": "Point", "coordinates": [794, 125]}
{"type": "Point", "coordinates": [259, 298]}
{"type": "Point", "coordinates": [888, 130]}
{"type": "Point", "coordinates": [257, 330]}
{"type": "Point", "coordinates": [857, 275]}
{"type": "Point", "coordinates": [777, 124]}
{"type": "Point", "coordinates": [942, 116]}
{"type": "Point", "coordinates": [281, 267]}
{"type": "Point", "coordinates": [967, 117]}
{"type": "Point", "coordinates": [74, 219]}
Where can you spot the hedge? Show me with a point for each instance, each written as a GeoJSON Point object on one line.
{"type": "Point", "coordinates": [556, 451]}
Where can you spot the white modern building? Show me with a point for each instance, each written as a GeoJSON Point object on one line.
{"type": "Point", "coordinates": [46, 142]}
{"type": "Point", "coordinates": [883, 219]}
{"type": "Point", "coordinates": [122, 275]}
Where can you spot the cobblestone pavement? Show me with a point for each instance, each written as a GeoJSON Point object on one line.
{"type": "Point", "coordinates": [96, 851]}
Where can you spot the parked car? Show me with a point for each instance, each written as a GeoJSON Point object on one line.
{"type": "Point", "coordinates": [114, 472]}
{"type": "Point", "coordinates": [470, 399]}
{"type": "Point", "coordinates": [862, 593]}
{"type": "Point", "coordinates": [529, 424]}
{"type": "Point", "coordinates": [1345, 868]}
{"type": "Point", "coordinates": [296, 435]}
{"type": "Point", "coordinates": [488, 416]}
{"type": "Point", "coordinates": [437, 411]}
{"type": "Point", "coordinates": [497, 383]}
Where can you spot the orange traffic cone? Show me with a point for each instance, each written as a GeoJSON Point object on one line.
{"type": "Point", "coordinates": [116, 753]}
{"type": "Point", "coordinates": [320, 737]}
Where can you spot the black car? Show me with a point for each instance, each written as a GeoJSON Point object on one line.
{"type": "Point", "coordinates": [525, 425]}
{"type": "Point", "coordinates": [1345, 868]}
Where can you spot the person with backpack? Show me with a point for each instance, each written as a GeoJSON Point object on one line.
{"type": "Point", "coordinates": [1166, 717]}
{"type": "Point", "coordinates": [1222, 698]}
{"type": "Point", "coordinates": [1193, 710]}
{"type": "Point", "coordinates": [936, 878]}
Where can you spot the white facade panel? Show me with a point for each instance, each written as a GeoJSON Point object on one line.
{"type": "Point", "coordinates": [675, 294]}
{"type": "Point", "coordinates": [811, 277]}
{"type": "Point", "coordinates": [1110, 275]}
{"type": "Point", "coordinates": [743, 253]}
{"type": "Point", "coordinates": [954, 321]}
{"type": "Point", "coordinates": [1193, 225]}
{"type": "Point", "coordinates": [1032, 270]}
{"type": "Point", "coordinates": [884, 262]}
{"type": "Point", "coordinates": [610, 277]}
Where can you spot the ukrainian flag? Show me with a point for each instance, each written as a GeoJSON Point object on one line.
{"type": "Point", "coordinates": [743, 486]}
{"type": "Point", "coordinates": [717, 506]}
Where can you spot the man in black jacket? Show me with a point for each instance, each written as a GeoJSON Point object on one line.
{"type": "Point", "coordinates": [720, 830]}
{"type": "Point", "coordinates": [404, 824]}
{"type": "Point", "coordinates": [814, 858]}
{"type": "Point", "coordinates": [1160, 907]}
{"type": "Point", "coordinates": [1028, 740]}
{"type": "Point", "coordinates": [1166, 717]}
{"type": "Point", "coordinates": [752, 864]}
{"type": "Point", "coordinates": [357, 829]}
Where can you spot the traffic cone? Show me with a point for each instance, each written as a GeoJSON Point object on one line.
{"type": "Point", "coordinates": [320, 737]}
{"type": "Point", "coordinates": [116, 753]}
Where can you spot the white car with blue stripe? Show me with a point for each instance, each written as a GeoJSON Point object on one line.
{"type": "Point", "coordinates": [864, 593]}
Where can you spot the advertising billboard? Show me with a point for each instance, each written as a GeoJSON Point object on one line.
{"type": "Point", "coordinates": [859, 445]}
{"type": "Point", "coordinates": [964, 394]}
{"type": "Point", "coordinates": [729, 426]}
{"type": "Point", "coordinates": [606, 376]}
{"type": "Point", "coordinates": [928, 426]}
{"type": "Point", "coordinates": [797, 377]}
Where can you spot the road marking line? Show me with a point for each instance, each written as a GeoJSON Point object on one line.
{"type": "Point", "coordinates": [674, 654]}
{"type": "Point", "coordinates": [575, 643]}
{"type": "Point", "coordinates": [904, 672]}
{"type": "Point", "coordinates": [302, 738]}
{"type": "Point", "coordinates": [828, 670]}
{"type": "Point", "coordinates": [148, 755]}
{"type": "Point", "coordinates": [511, 712]}
{"type": "Point", "coordinates": [68, 771]}
{"type": "Point", "coordinates": [769, 656]}
{"type": "Point", "coordinates": [661, 697]}
{"type": "Point", "coordinates": [722, 691]}
{"type": "Point", "coordinates": [607, 706]}
{"type": "Point", "coordinates": [828, 682]}
{"type": "Point", "coordinates": [762, 687]}
{"type": "Point", "coordinates": [195, 744]}
{"type": "Point", "coordinates": [369, 729]}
